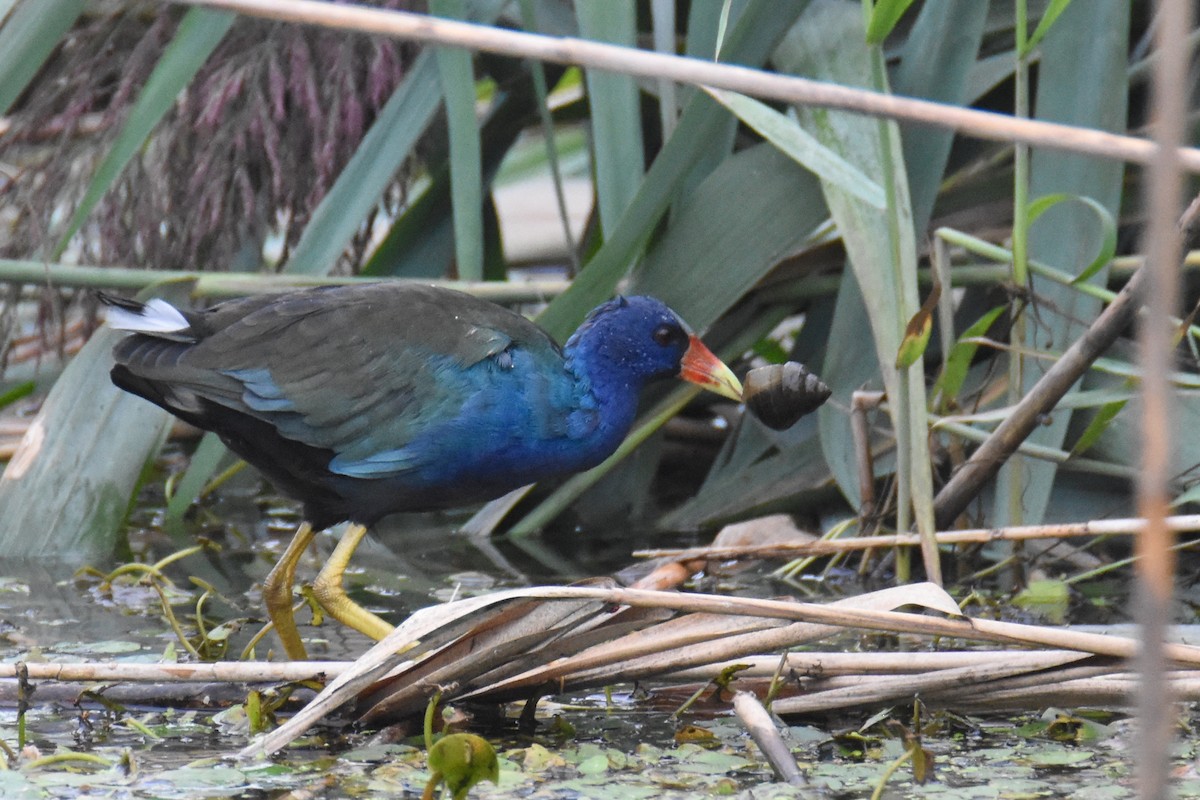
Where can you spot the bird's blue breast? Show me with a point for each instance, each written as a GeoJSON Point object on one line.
{"type": "Point", "coordinates": [498, 424]}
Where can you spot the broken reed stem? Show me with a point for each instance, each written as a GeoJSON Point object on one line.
{"type": "Point", "coordinates": [699, 72]}
{"type": "Point", "coordinates": [811, 664]}
{"type": "Point", "coordinates": [1108, 527]}
{"type": "Point", "coordinates": [1097, 686]}
{"type": "Point", "coordinates": [217, 672]}
{"type": "Point", "coordinates": [821, 665]}
{"type": "Point", "coordinates": [967, 481]}
{"type": "Point", "coordinates": [763, 731]}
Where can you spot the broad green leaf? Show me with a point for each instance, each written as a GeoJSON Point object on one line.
{"type": "Point", "coordinates": [750, 42]}
{"type": "Point", "coordinates": [754, 210]}
{"type": "Point", "coordinates": [466, 161]}
{"type": "Point", "coordinates": [799, 145]}
{"type": "Point", "coordinates": [29, 35]}
{"type": "Point", "coordinates": [65, 493]}
{"type": "Point", "coordinates": [420, 242]}
{"type": "Point", "coordinates": [1108, 228]}
{"type": "Point", "coordinates": [1056, 8]}
{"type": "Point", "coordinates": [615, 116]}
{"type": "Point", "coordinates": [954, 373]}
{"type": "Point", "coordinates": [796, 472]}
{"type": "Point", "coordinates": [884, 17]}
{"type": "Point", "coordinates": [845, 369]}
{"type": "Point", "coordinates": [199, 33]}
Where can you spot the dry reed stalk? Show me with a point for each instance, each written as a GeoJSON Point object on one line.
{"type": "Point", "coordinates": [863, 690]}
{"type": "Point", "coordinates": [438, 626]}
{"type": "Point", "coordinates": [632, 61]}
{"type": "Point", "coordinates": [218, 672]}
{"type": "Point", "coordinates": [825, 665]}
{"type": "Point", "coordinates": [1155, 568]}
{"type": "Point", "coordinates": [1110, 527]}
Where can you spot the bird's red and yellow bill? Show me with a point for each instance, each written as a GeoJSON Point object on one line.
{"type": "Point", "coordinates": [701, 367]}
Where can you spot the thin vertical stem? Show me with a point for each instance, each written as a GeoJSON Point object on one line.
{"type": "Point", "coordinates": [538, 70]}
{"type": "Point", "coordinates": [1014, 470]}
{"type": "Point", "coordinates": [1156, 564]}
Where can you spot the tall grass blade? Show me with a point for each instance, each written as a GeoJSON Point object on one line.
{"type": "Point", "coordinates": [883, 19]}
{"type": "Point", "coordinates": [389, 142]}
{"type": "Point", "coordinates": [936, 64]}
{"type": "Point", "coordinates": [880, 246]}
{"type": "Point", "coordinates": [466, 160]}
{"type": "Point", "coordinates": [1055, 9]}
{"type": "Point", "coordinates": [31, 31]}
{"type": "Point", "coordinates": [801, 146]}
{"type": "Point", "coordinates": [615, 116]}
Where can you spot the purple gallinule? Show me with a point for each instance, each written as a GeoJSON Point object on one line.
{"type": "Point", "coordinates": [365, 400]}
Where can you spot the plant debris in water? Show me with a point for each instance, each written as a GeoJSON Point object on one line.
{"type": "Point", "coordinates": [169, 754]}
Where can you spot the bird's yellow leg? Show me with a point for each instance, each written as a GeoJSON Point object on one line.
{"type": "Point", "coordinates": [330, 593]}
{"type": "Point", "coordinates": [277, 593]}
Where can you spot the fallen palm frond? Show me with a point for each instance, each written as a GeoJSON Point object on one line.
{"type": "Point", "coordinates": [525, 643]}
{"type": "Point", "coordinates": [522, 644]}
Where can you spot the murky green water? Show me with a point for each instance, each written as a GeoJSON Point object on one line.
{"type": "Point", "coordinates": [177, 744]}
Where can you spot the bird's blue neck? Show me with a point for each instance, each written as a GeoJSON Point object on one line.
{"type": "Point", "coordinates": [608, 395]}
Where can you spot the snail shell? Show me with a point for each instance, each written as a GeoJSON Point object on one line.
{"type": "Point", "coordinates": [780, 394]}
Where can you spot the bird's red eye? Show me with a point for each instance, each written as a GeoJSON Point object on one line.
{"type": "Point", "coordinates": [663, 335]}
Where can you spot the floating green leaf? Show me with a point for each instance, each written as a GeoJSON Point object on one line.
{"type": "Point", "coordinates": [460, 761]}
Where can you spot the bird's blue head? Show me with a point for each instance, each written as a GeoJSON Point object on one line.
{"type": "Point", "coordinates": [629, 341]}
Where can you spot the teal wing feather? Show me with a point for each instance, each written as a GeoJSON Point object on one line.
{"type": "Point", "coordinates": [364, 372]}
